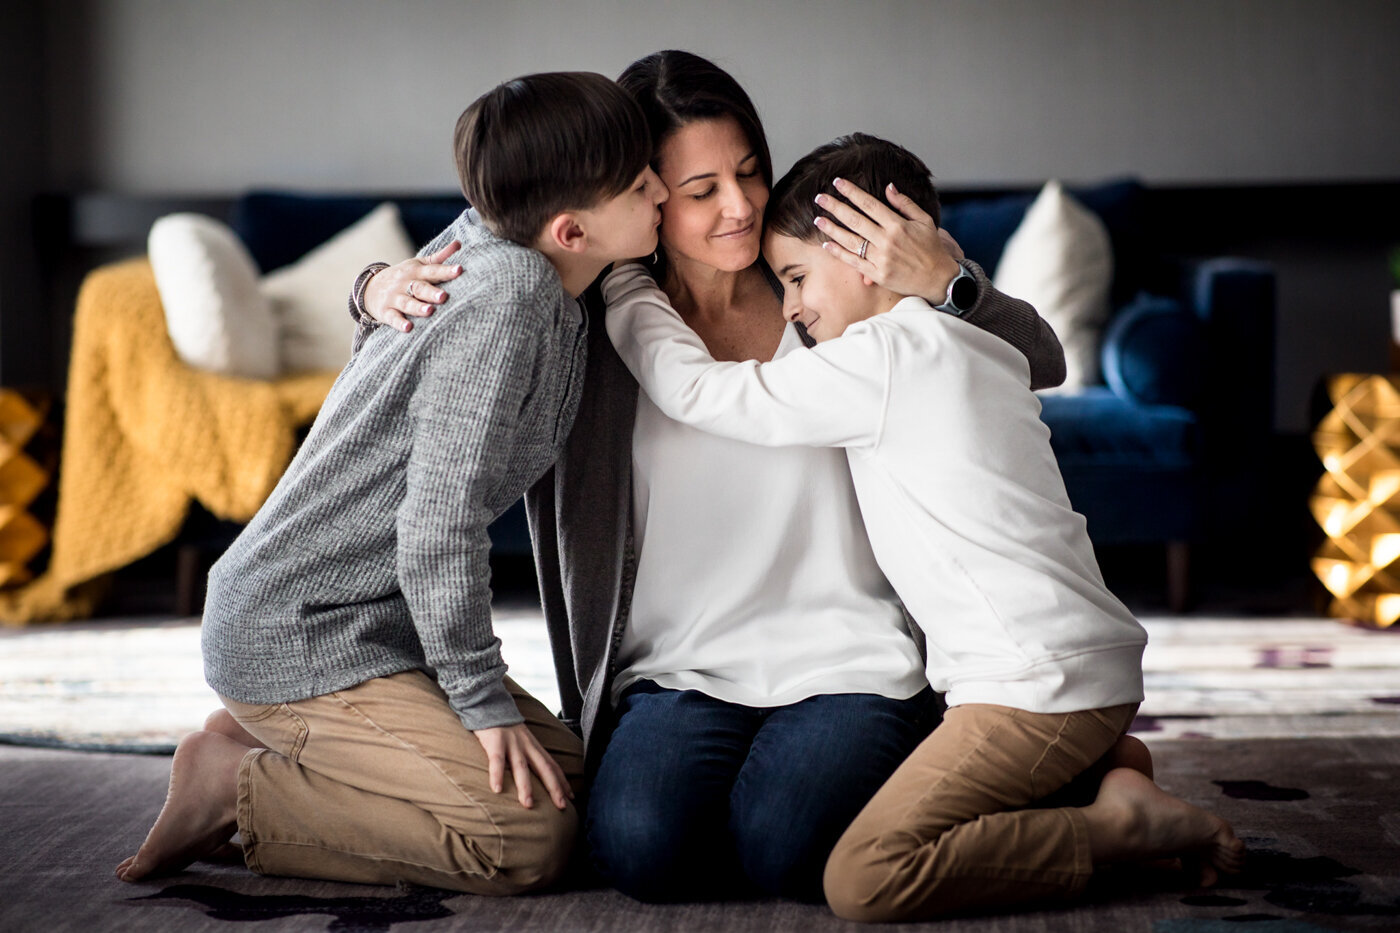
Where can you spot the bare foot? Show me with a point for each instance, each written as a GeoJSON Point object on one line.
{"type": "Point", "coordinates": [222, 722]}
{"type": "Point", "coordinates": [200, 812]}
{"type": "Point", "coordinates": [1129, 752]}
{"type": "Point", "coordinates": [1134, 820]}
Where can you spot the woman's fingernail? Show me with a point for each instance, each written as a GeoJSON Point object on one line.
{"type": "Point", "coordinates": [820, 199]}
{"type": "Point", "coordinates": [820, 222]}
{"type": "Point", "coordinates": [838, 182]}
{"type": "Point", "coordinates": [893, 189]}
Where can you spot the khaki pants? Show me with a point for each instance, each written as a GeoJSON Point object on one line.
{"type": "Point", "coordinates": [954, 829]}
{"type": "Point", "coordinates": [381, 783]}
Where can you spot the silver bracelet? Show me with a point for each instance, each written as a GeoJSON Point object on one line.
{"type": "Point", "coordinates": [357, 294]}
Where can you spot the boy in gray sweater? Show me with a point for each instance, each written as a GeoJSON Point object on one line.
{"type": "Point", "coordinates": [369, 721]}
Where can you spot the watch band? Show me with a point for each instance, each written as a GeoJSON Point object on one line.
{"type": "Point", "coordinates": [958, 301]}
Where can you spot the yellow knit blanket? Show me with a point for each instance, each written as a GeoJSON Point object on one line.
{"type": "Point", "coordinates": [144, 435]}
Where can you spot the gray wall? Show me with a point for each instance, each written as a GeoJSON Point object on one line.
{"type": "Point", "coordinates": [203, 97]}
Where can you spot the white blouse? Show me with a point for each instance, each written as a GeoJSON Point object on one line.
{"type": "Point", "coordinates": [756, 583]}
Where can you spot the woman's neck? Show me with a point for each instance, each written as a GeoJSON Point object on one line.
{"type": "Point", "coordinates": [707, 293]}
{"type": "Point", "coordinates": [736, 314]}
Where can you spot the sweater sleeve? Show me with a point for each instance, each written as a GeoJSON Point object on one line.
{"type": "Point", "coordinates": [474, 375]}
{"type": "Point", "coordinates": [833, 395]}
{"type": "Point", "coordinates": [1017, 322]}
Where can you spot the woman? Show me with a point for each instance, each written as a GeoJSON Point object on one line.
{"type": "Point", "coordinates": [743, 675]}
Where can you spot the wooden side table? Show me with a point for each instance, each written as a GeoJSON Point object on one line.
{"type": "Point", "coordinates": [1357, 501]}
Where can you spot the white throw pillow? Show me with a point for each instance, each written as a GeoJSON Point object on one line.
{"type": "Point", "coordinates": [308, 297]}
{"type": "Point", "coordinates": [217, 318]}
{"type": "Point", "coordinates": [1060, 260]}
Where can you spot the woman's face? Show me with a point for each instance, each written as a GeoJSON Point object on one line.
{"type": "Point", "coordinates": [714, 216]}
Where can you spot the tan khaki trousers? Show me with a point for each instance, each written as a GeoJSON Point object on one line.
{"type": "Point", "coordinates": [954, 829]}
{"type": "Point", "coordinates": [381, 783]}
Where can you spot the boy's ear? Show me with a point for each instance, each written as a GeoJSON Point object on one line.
{"type": "Point", "coordinates": [564, 232]}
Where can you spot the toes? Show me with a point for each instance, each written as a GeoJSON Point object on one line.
{"type": "Point", "coordinates": [131, 870]}
{"type": "Point", "coordinates": [1230, 858]}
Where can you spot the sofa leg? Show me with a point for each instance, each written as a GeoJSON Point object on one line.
{"type": "Point", "coordinates": [1178, 575]}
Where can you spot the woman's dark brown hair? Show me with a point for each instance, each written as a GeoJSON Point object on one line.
{"type": "Point", "coordinates": [674, 88]}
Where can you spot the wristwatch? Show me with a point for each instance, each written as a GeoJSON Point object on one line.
{"type": "Point", "coordinates": [962, 293]}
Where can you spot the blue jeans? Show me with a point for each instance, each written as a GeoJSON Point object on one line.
{"type": "Point", "coordinates": [696, 798]}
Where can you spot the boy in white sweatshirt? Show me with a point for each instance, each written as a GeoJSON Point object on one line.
{"type": "Point", "coordinates": [969, 519]}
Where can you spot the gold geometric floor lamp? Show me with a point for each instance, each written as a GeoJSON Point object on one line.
{"type": "Point", "coordinates": [21, 480]}
{"type": "Point", "coordinates": [1357, 501]}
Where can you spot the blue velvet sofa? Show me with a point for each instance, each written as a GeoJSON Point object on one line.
{"type": "Point", "coordinates": [1164, 451]}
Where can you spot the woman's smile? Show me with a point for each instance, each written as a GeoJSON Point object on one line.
{"type": "Point", "coordinates": [738, 234]}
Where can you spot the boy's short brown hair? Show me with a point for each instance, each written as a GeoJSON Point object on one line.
{"type": "Point", "coordinates": [545, 143]}
{"type": "Point", "coordinates": [868, 161]}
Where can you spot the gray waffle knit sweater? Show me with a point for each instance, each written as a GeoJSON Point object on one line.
{"type": "Point", "coordinates": [370, 557]}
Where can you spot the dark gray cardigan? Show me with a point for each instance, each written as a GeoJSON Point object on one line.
{"type": "Point", "coordinates": [581, 510]}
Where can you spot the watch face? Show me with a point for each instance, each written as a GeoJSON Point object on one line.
{"type": "Point", "coordinates": [963, 294]}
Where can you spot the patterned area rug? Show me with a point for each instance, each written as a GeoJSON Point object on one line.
{"type": "Point", "coordinates": [1320, 817]}
{"type": "Point", "coordinates": [137, 685]}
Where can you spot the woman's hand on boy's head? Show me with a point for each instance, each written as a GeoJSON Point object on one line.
{"type": "Point", "coordinates": [406, 290]}
{"type": "Point", "coordinates": [906, 252]}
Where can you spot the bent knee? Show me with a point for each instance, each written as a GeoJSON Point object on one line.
{"type": "Point", "coordinates": [857, 884]}
{"type": "Point", "coordinates": [649, 860]}
{"type": "Point", "coordinates": [222, 722]}
{"type": "Point", "coordinates": [535, 853]}
{"type": "Point", "coordinates": [640, 865]}
{"type": "Point", "coordinates": [784, 866]}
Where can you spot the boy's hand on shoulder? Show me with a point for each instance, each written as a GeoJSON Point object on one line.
{"type": "Point", "coordinates": [895, 245]}
{"type": "Point", "coordinates": [516, 748]}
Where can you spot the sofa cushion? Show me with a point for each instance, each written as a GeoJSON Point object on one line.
{"type": "Point", "coordinates": [308, 296]}
{"type": "Point", "coordinates": [1095, 427]}
{"type": "Point", "coordinates": [1123, 209]}
{"type": "Point", "coordinates": [1152, 353]}
{"type": "Point", "coordinates": [983, 224]}
{"type": "Point", "coordinates": [217, 318]}
{"type": "Point", "coordinates": [1060, 261]}
{"type": "Point", "coordinates": [280, 228]}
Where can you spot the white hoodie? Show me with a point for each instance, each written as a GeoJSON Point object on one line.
{"type": "Point", "coordinates": [960, 492]}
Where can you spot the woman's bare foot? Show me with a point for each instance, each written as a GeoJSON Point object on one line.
{"type": "Point", "coordinates": [200, 812]}
{"type": "Point", "coordinates": [222, 722]}
{"type": "Point", "coordinates": [1129, 752]}
{"type": "Point", "coordinates": [1135, 820]}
